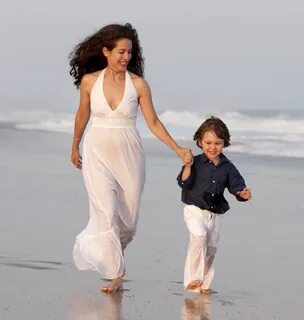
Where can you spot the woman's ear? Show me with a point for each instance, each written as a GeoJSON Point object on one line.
{"type": "Point", "coordinates": [105, 51]}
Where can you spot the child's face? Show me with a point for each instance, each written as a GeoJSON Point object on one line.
{"type": "Point", "coordinates": [212, 145]}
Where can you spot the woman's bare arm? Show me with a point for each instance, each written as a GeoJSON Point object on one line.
{"type": "Point", "coordinates": [81, 119]}
{"type": "Point", "coordinates": [152, 120]}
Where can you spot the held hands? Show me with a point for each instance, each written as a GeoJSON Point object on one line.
{"type": "Point", "coordinates": [186, 156]}
{"type": "Point", "coordinates": [245, 194]}
{"type": "Point", "coordinates": [182, 151]}
{"type": "Point", "coordinates": [188, 159]}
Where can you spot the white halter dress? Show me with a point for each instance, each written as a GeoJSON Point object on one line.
{"type": "Point", "coordinates": [114, 174]}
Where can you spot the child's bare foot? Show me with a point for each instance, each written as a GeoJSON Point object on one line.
{"type": "Point", "coordinates": [206, 291]}
{"type": "Point", "coordinates": [116, 285]}
{"type": "Point", "coordinates": [195, 284]}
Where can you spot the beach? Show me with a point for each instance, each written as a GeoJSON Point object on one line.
{"type": "Point", "coordinates": [259, 270]}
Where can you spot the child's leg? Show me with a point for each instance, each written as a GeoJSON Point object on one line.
{"type": "Point", "coordinates": [213, 237]}
{"type": "Point", "coordinates": [194, 264]}
{"type": "Point", "coordinates": [197, 248]}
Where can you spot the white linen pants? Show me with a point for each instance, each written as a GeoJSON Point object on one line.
{"type": "Point", "coordinates": [203, 227]}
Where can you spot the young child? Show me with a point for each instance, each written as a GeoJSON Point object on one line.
{"type": "Point", "coordinates": [203, 180]}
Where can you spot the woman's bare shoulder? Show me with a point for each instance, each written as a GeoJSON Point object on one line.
{"type": "Point", "coordinates": [90, 77]}
{"type": "Point", "coordinates": [138, 81]}
{"type": "Point", "coordinates": [88, 80]}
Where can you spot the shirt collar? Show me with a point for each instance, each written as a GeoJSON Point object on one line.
{"type": "Point", "coordinates": [222, 159]}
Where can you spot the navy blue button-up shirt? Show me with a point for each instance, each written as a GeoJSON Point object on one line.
{"type": "Point", "coordinates": [205, 186]}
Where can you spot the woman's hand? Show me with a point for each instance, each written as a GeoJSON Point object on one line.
{"type": "Point", "coordinates": [184, 154]}
{"type": "Point", "coordinates": [76, 158]}
{"type": "Point", "coordinates": [188, 159]}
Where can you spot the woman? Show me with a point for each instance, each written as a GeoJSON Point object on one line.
{"type": "Point", "coordinates": [108, 69]}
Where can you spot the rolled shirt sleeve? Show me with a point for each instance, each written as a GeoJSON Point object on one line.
{"type": "Point", "coordinates": [189, 182]}
{"type": "Point", "coordinates": [236, 182]}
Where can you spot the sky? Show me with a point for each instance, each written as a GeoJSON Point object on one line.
{"type": "Point", "coordinates": [199, 55]}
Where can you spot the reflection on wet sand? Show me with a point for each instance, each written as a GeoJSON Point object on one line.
{"type": "Point", "coordinates": [105, 307]}
{"type": "Point", "coordinates": [197, 308]}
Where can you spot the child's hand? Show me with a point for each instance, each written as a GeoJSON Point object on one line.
{"type": "Point", "coordinates": [245, 194]}
{"type": "Point", "coordinates": [188, 159]}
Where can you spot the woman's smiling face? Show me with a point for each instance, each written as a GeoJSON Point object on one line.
{"type": "Point", "coordinates": [119, 57]}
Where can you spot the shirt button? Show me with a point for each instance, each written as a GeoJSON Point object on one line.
{"type": "Point", "coordinates": [212, 194]}
{"type": "Point", "coordinates": [213, 181]}
{"type": "Point", "coordinates": [211, 207]}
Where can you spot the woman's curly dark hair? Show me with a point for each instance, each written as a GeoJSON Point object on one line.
{"type": "Point", "coordinates": [87, 56]}
{"type": "Point", "coordinates": [217, 126]}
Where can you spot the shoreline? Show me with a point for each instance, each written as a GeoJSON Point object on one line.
{"type": "Point", "coordinates": [44, 206]}
{"type": "Point", "coordinates": [10, 126]}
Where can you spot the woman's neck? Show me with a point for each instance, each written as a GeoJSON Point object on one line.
{"type": "Point", "coordinates": [114, 75]}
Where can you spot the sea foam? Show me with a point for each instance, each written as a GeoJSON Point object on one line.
{"type": "Point", "coordinates": [255, 132]}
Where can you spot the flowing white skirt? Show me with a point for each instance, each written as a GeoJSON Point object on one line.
{"type": "Point", "coordinates": [114, 174]}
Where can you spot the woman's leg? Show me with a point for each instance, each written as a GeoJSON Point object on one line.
{"type": "Point", "coordinates": [98, 247]}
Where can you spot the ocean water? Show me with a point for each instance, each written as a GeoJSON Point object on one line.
{"type": "Point", "coordinates": [260, 132]}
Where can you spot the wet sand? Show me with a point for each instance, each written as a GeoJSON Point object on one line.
{"type": "Point", "coordinates": [259, 265]}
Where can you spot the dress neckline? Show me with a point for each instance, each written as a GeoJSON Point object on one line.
{"type": "Point", "coordinates": [102, 75]}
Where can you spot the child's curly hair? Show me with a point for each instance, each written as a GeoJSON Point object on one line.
{"type": "Point", "coordinates": [217, 126]}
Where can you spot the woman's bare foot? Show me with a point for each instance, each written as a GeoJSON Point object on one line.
{"type": "Point", "coordinates": [195, 284]}
{"type": "Point", "coordinates": [116, 285]}
{"type": "Point", "coordinates": [206, 291]}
